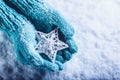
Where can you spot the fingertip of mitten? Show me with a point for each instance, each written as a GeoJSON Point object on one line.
{"type": "Point", "coordinates": [67, 55]}
{"type": "Point", "coordinates": [72, 46]}
{"type": "Point", "coordinates": [59, 58]}
{"type": "Point", "coordinates": [60, 65]}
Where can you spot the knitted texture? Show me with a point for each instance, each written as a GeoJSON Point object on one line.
{"type": "Point", "coordinates": [19, 19]}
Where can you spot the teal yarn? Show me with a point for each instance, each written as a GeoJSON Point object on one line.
{"type": "Point", "coordinates": [20, 18]}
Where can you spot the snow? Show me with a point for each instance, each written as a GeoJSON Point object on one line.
{"type": "Point", "coordinates": [97, 27]}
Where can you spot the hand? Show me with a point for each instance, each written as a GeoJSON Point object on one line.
{"type": "Point", "coordinates": [22, 34]}
{"type": "Point", "coordinates": [46, 19]}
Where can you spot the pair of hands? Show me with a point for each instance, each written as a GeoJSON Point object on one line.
{"type": "Point", "coordinates": [16, 23]}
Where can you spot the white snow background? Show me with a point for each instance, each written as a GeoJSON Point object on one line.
{"type": "Point", "coordinates": [97, 34]}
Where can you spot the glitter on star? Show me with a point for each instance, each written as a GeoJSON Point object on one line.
{"type": "Point", "coordinates": [49, 44]}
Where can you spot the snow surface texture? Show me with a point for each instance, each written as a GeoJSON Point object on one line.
{"type": "Point", "coordinates": [97, 28]}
